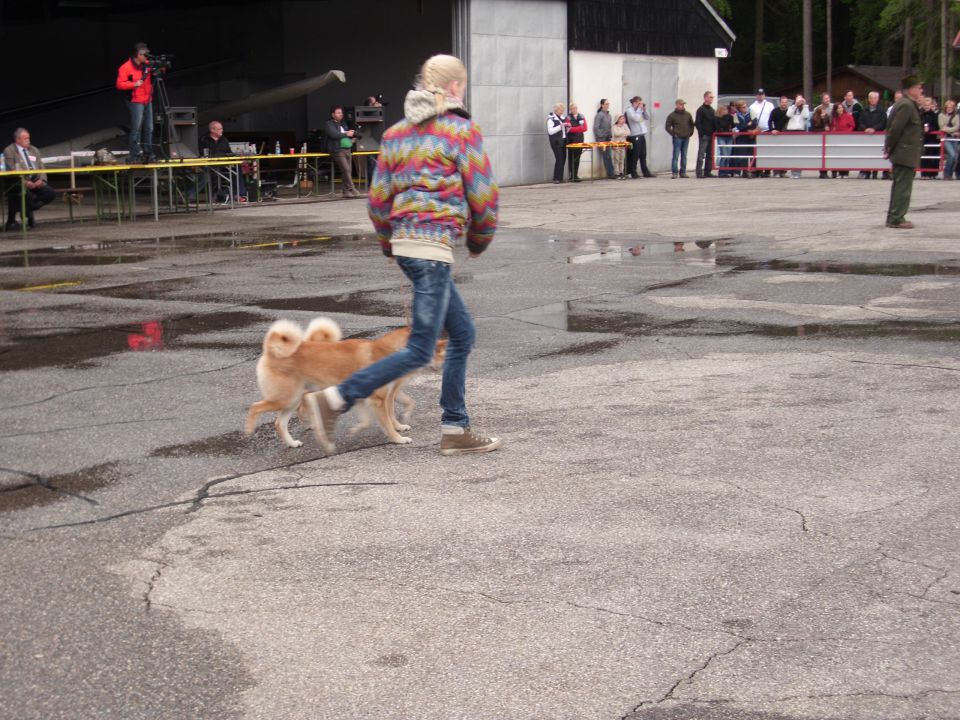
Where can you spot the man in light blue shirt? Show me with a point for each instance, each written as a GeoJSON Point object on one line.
{"type": "Point", "coordinates": [638, 122]}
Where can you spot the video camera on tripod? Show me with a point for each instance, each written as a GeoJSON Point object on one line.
{"type": "Point", "coordinates": [157, 65]}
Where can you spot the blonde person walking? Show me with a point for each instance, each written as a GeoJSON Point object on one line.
{"type": "Point", "coordinates": [433, 186]}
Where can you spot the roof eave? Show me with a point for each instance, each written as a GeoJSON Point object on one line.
{"type": "Point", "coordinates": [720, 22]}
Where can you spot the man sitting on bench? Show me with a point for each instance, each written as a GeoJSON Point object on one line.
{"type": "Point", "coordinates": [215, 145]}
{"type": "Point", "coordinates": [21, 155]}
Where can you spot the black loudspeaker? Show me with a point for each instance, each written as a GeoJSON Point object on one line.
{"type": "Point", "coordinates": [184, 136]}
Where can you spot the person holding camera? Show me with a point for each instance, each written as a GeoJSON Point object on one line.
{"type": "Point", "coordinates": [133, 78]}
{"type": "Point", "coordinates": [637, 119]}
{"type": "Point", "coordinates": [340, 139]}
{"type": "Point", "coordinates": [798, 118]}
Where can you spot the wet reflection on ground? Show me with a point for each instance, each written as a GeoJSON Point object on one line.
{"type": "Point", "coordinates": [78, 349]}
{"type": "Point", "coordinates": [608, 252]}
{"type": "Point", "coordinates": [830, 266]}
{"type": "Point", "coordinates": [135, 251]}
{"type": "Point", "coordinates": [35, 490]}
{"type": "Point", "coordinates": [232, 443]}
{"type": "Point", "coordinates": [358, 303]}
{"type": "Point", "coordinates": [570, 317]}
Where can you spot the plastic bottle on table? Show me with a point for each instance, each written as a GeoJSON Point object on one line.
{"type": "Point", "coordinates": [276, 148]}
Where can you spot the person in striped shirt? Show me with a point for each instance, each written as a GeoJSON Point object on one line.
{"type": "Point", "coordinates": [433, 185]}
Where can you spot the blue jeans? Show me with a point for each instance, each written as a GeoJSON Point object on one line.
{"type": "Point", "coordinates": [723, 151]}
{"type": "Point", "coordinates": [950, 148]}
{"type": "Point", "coordinates": [141, 120]}
{"type": "Point", "coordinates": [437, 306]}
{"type": "Point", "coordinates": [607, 160]}
{"type": "Point", "coordinates": [679, 153]}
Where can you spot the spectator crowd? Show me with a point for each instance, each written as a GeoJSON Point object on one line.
{"type": "Point", "coordinates": [728, 134]}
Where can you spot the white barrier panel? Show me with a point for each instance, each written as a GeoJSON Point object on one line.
{"type": "Point", "coordinates": [817, 151]}
{"type": "Point", "coordinates": [861, 151]}
{"type": "Point", "coordinates": [796, 151]}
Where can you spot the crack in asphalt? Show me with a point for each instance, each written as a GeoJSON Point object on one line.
{"type": "Point", "coordinates": [803, 518]}
{"type": "Point", "coordinates": [132, 384]}
{"type": "Point", "coordinates": [203, 494]}
{"type": "Point", "coordinates": [152, 582]}
{"type": "Point", "coordinates": [40, 481]}
{"type": "Point", "coordinates": [891, 696]}
{"type": "Point", "coordinates": [47, 431]}
{"type": "Point", "coordinates": [891, 364]}
{"type": "Point", "coordinates": [687, 679]}
{"type": "Point", "coordinates": [923, 493]}
{"type": "Point", "coordinates": [941, 573]}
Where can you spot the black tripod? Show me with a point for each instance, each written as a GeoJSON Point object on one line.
{"type": "Point", "coordinates": [167, 131]}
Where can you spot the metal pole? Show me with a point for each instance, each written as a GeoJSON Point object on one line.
{"type": "Point", "coordinates": [944, 50]}
{"type": "Point", "coordinates": [808, 49]}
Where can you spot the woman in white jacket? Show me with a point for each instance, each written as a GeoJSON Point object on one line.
{"type": "Point", "coordinates": [557, 126]}
{"type": "Point", "coordinates": [798, 118]}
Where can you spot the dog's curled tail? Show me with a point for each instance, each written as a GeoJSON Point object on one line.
{"type": "Point", "coordinates": [283, 338]}
{"type": "Point", "coordinates": [323, 329]}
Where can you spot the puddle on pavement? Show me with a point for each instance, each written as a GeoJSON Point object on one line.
{"type": "Point", "coordinates": [566, 316]}
{"type": "Point", "coordinates": [357, 303]}
{"type": "Point", "coordinates": [829, 266]}
{"type": "Point", "coordinates": [142, 290]}
{"type": "Point", "coordinates": [951, 206]}
{"type": "Point", "coordinates": [231, 443]}
{"type": "Point", "coordinates": [589, 348]}
{"type": "Point", "coordinates": [608, 252]}
{"type": "Point", "coordinates": [77, 349]}
{"type": "Point", "coordinates": [75, 485]}
{"type": "Point", "coordinates": [114, 252]}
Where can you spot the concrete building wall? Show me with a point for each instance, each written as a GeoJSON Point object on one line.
{"type": "Point", "coordinates": [595, 75]}
{"type": "Point", "coordinates": [518, 70]}
{"type": "Point", "coordinates": [697, 75]}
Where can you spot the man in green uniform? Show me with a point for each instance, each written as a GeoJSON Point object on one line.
{"type": "Point", "coordinates": [904, 148]}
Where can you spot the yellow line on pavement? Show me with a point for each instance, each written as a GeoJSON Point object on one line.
{"type": "Point", "coordinates": [285, 242]}
{"type": "Point", "coordinates": [52, 285]}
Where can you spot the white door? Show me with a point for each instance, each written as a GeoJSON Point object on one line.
{"type": "Point", "coordinates": [656, 81]}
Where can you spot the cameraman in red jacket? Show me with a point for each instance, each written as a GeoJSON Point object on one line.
{"type": "Point", "coordinates": [133, 79]}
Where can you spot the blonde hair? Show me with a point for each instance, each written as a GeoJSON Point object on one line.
{"type": "Point", "coordinates": [436, 75]}
{"type": "Point", "coordinates": [559, 107]}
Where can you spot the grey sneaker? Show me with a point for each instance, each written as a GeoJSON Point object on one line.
{"type": "Point", "coordinates": [466, 442]}
{"type": "Point", "coordinates": [324, 420]}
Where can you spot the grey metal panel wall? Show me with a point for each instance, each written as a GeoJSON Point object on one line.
{"type": "Point", "coordinates": [518, 70]}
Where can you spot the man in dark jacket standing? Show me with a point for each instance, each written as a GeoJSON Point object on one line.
{"type": "Point", "coordinates": [680, 127]}
{"type": "Point", "coordinates": [873, 119]}
{"type": "Point", "coordinates": [706, 125]}
{"type": "Point", "coordinates": [904, 147]}
{"type": "Point", "coordinates": [340, 138]}
{"type": "Point", "coordinates": [778, 124]}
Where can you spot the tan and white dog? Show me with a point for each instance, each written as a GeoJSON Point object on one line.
{"type": "Point", "coordinates": [294, 362]}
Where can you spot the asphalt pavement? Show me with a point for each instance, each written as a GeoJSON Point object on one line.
{"type": "Point", "coordinates": [728, 486]}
